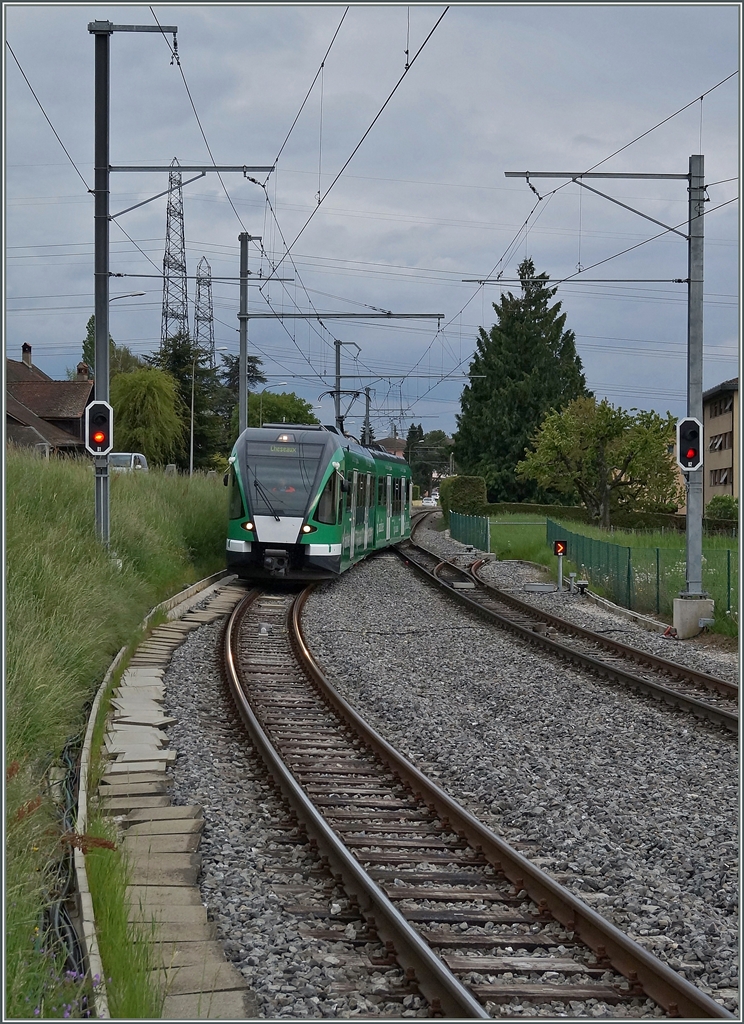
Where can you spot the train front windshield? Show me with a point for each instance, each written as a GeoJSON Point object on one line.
{"type": "Point", "coordinates": [279, 478]}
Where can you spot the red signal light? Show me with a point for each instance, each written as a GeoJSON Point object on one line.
{"type": "Point", "coordinates": [691, 453]}
{"type": "Point", "coordinates": [99, 437]}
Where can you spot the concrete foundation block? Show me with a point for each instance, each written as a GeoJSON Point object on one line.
{"type": "Point", "coordinates": [688, 611]}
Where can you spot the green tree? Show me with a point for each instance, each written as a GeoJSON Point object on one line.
{"type": "Point", "coordinates": [121, 357]}
{"type": "Point", "coordinates": [284, 407]}
{"type": "Point", "coordinates": [228, 396]}
{"type": "Point", "coordinates": [189, 366]}
{"type": "Point", "coordinates": [523, 367]}
{"type": "Point", "coordinates": [610, 457]}
{"type": "Point", "coordinates": [428, 454]}
{"type": "Point", "coordinates": [147, 414]}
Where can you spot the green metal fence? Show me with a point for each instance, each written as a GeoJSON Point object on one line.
{"type": "Point", "coordinates": [473, 530]}
{"type": "Point", "coordinates": [648, 579]}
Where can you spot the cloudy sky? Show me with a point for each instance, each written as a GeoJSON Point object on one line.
{"type": "Point", "coordinates": [422, 205]}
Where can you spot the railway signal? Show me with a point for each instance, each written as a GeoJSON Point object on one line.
{"type": "Point", "coordinates": [560, 548]}
{"type": "Point", "coordinates": [99, 428]}
{"type": "Point", "coordinates": [689, 444]}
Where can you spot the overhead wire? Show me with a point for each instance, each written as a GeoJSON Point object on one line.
{"type": "Point", "coordinates": [368, 130]}
{"type": "Point", "coordinates": [175, 58]}
{"type": "Point", "coordinates": [312, 84]}
{"type": "Point", "coordinates": [41, 108]}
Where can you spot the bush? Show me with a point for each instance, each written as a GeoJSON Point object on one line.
{"type": "Point", "coordinates": [723, 506]}
{"type": "Point", "coordinates": [463, 494]}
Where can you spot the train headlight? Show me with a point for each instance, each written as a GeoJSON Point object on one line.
{"type": "Point", "coordinates": [309, 529]}
{"type": "Point", "coordinates": [248, 526]}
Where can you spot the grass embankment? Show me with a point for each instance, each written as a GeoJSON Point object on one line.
{"type": "Point", "coordinates": [524, 537]}
{"type": "Point", "coordinates": [69, 608]}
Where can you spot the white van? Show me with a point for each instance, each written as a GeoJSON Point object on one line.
{"type": "Point", "coordinates": [127, 462]}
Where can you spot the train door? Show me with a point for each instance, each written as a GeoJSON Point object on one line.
{"type": "Point", "coordinates": [389, 510]}
{"type": "Point", "coordinates": [403, 502]}
{"type": "Point", "coordinates": [367, 504]}
{"type": "Point", "coordinates": [353, 512]}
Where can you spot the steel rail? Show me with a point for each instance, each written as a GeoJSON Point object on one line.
{"type": "Point", "coordinates": [435, 981]}
{"type": "Point", "coordinates": [675, 994]}
{"type": "Point", "coordinates": [719, 716]}
{"type": "Point", "coordinates": [642, 657]}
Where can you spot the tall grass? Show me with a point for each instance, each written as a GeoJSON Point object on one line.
{"type": "Point", "coordinates": [126, 947]}
{"type": "Point", "coordinates": [69, 607]}
{"type": "Point", "coordinates": [521, 536]}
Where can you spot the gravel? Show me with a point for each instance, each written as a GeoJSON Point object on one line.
{"type": "Point", "coordinates": [632, 805]}
{"type": "Point", "coordinates": [293, 976]}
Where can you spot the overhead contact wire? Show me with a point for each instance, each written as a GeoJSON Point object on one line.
{"type": "Point", "coordinates": [369, 129]}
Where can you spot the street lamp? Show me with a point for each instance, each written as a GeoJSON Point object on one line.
{"type": "Point", "coordinates": [281, 384]}
{"type": "Point", "coordinates": [129, 295]}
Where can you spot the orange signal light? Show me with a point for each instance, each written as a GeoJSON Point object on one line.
{"type": "Point", "coordinates": [560, 547]}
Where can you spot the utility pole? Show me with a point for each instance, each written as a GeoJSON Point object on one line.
{"type": "Point", "coordinates": [693, 603]}
{"type": "Point", "coordinates": [337, 392]}
{"type": "Point", "coordinates": [102, 31]}
{"type": "Point", "coordinates": [244, 238]}
{"type": "Point", "coordinates": [367, 439]}
{"type": "Point", "coordinates": [695, 250]}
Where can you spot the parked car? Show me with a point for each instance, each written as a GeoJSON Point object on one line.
{"type": "Point", "coordinates": [429, 502]}
{"type": "Point", "coordinates": [127, 462]}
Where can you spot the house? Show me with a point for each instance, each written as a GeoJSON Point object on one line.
{"type": "Point", "coordinates": [394, 445]}
{"type": "Point", "coordinates": [40, 411]}
{"type": "Point", "coordinates": [721, 440]}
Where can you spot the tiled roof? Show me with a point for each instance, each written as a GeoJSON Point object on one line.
{"type": "Point", "coordinates": [53, 399]}
{"type": "Point", "coordinates": [727, 385]}
{"type": "Point", "coordinates": [15, 370]}
{"type": "Point", "coordinates": [392, 444]}
{"type": "Point", "coordinates": [17, 416]}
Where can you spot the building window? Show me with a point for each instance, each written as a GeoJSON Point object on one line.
{"type": "Point", "coordinates": [718, 477]}
{"type": "Point", "coordinates": [721, 405]}
{"type": "Point", "coordinates": [721, 442]}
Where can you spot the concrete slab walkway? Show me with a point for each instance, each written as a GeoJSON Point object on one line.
{"type": "Point", "coordinates": [162, 840]}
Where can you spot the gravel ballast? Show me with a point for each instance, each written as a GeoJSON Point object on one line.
{"type": "Point", "coordinates": [245, 866]}
{"type": "Point", "coordinates": [631, 804]}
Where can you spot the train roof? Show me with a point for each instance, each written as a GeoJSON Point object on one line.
{"type": "Point", "coordinates": [309, 432]}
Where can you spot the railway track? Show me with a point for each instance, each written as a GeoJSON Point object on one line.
{"type": "Point", "coordinates": [471, 922]}
{"type": "Point", "coordinates": [704, 695]}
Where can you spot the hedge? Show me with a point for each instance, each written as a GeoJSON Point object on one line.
{"type": "Point", "coordinates": [463, 500]}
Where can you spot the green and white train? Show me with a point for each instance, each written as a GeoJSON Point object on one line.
{"type": "Point", "coordinates": [306, 502]}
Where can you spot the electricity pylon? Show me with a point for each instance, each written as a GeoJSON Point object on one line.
{"type": "Point", "coordinates": [175, 301]}
{"type": "Point", "coordinates": [204, 310]}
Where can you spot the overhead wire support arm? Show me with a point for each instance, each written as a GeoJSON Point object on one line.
{"type": "Point", "coordinates": [340, 316]}
{"type": "Point", "coordinates": [631, 208]}
{"type": "Point", "coordinates": [591, 174]}
{"type": "Point", "coordinates": [242, 168]}
{"type": "Point", "coordinates": [153, 198]}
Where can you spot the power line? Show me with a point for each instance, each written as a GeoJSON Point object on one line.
{"type": "Point", "coordinates": [317, 73]}
{"type": "Point", "coordinates": [41, 108]}
{"type": "Point", "coordinates": [649, 130]}
{"type": "Point", "coordinates": [369, 129]}
{"type": "Point", "coordinates": [175, 58]}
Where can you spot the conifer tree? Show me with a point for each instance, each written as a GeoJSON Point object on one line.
{"type": "Point", "coordinates": [523, 367]}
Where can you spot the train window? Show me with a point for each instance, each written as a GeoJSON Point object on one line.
{"type": "Point", "coordinates": [326, 510]}
{"type": "Point", "coordinates": [234, 497]}
{"type": "Point", "coordinates": [280, 477]}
